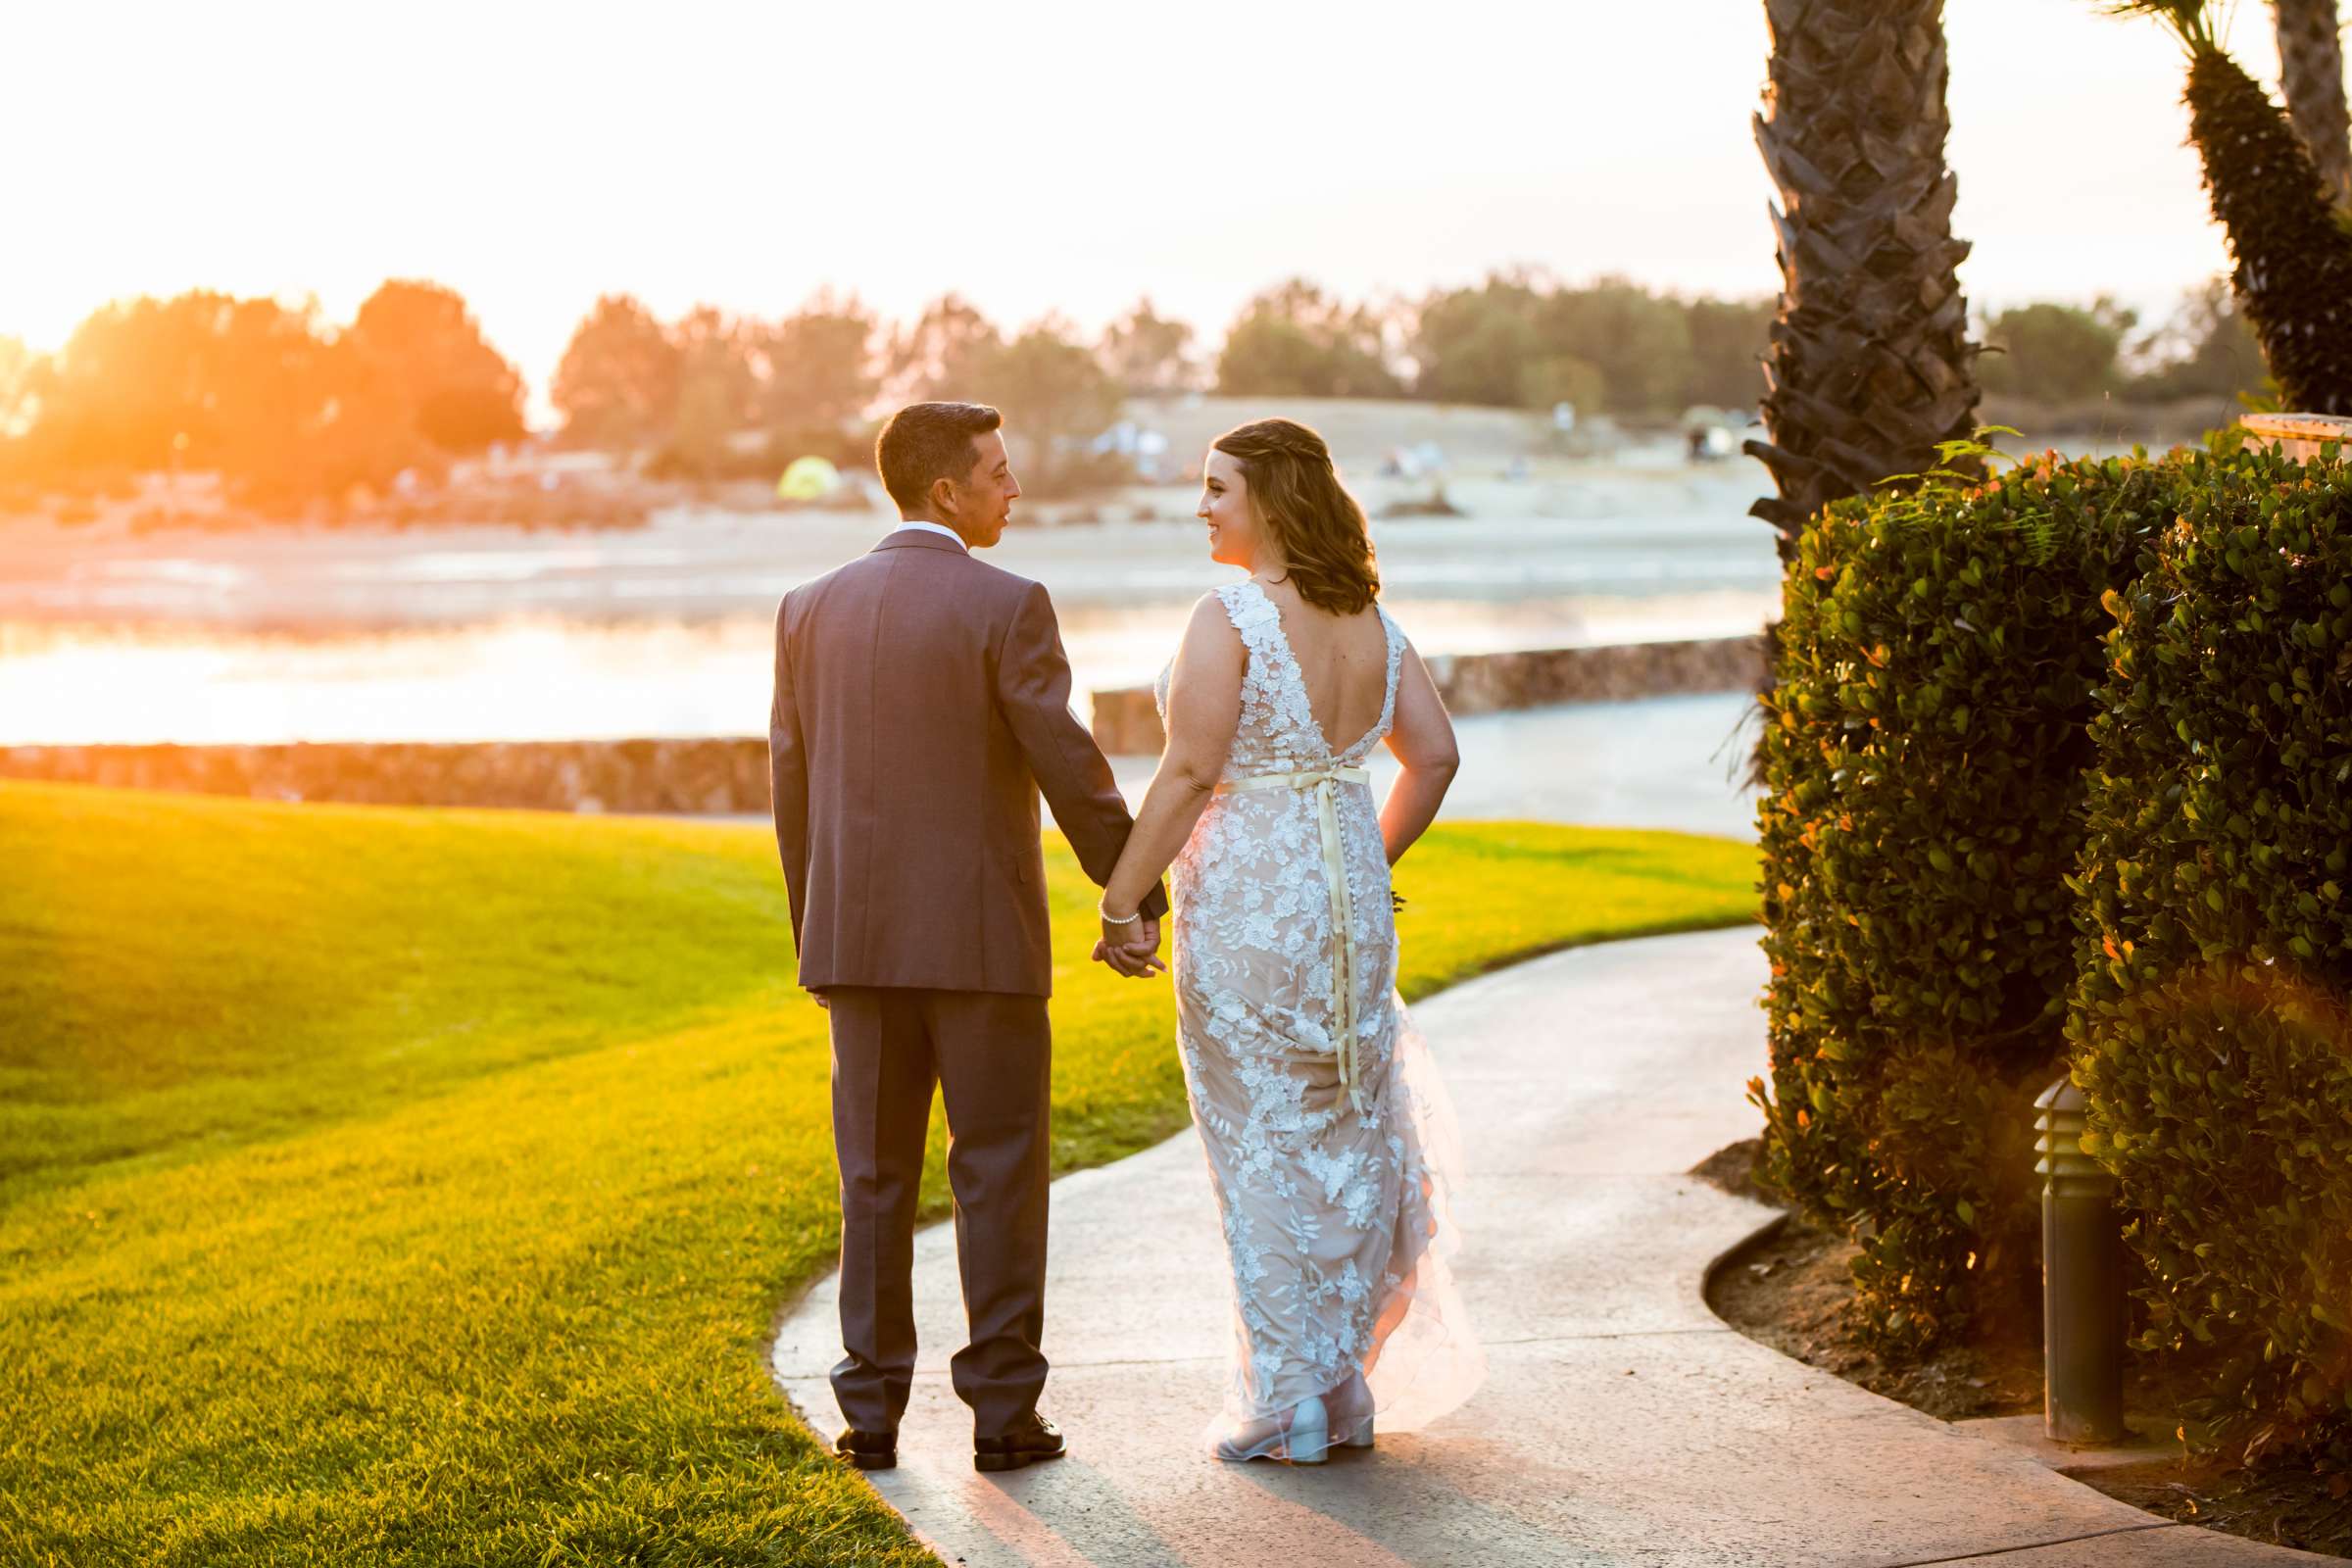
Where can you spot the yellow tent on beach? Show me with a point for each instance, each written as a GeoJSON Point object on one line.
{"type": "Point", "coordinates": [808, 479]}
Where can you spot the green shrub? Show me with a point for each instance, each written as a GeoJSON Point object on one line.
{"type": "Point", "coordinates": [2216, 940]}
{"type": "Point", "coordinates": [1922, 764]}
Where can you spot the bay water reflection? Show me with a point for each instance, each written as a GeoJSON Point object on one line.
{"type": "Point", "coordinates": [487, 634]}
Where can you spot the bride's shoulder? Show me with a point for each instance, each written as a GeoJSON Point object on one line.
{"type": "Point", "coordinates": [1214, 628]}
{"type": "Point", "coordinates": [1218, 613]}
{"type": "Point", "coordinates": [1242, 606]}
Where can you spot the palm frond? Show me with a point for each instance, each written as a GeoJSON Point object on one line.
{"type": "Point", "coordinates": [2194, 21]}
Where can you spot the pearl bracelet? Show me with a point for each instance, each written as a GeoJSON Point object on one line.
{"type": "Point", "coordinates": [1111, 919]}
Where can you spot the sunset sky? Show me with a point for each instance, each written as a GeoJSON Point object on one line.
{"type": "Point", "coordinates": [1036, 157]}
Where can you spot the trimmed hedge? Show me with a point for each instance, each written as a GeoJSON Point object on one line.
{"type": "Point", "coordinates": [2060, 767]}
{"type": "Point", "coordinates": [1923, 764]}
{"type": "Point", "coordinates": [2217, 939]}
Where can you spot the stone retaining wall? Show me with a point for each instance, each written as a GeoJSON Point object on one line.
{"type": "Point", "coordinates": [2301, 436]}
{"type": "Point", "coordinates": [723, 775]}
{"type": "Point", "coordinates": [1127, 723]}
{"type": "Point", "coordinates": [716, 776]}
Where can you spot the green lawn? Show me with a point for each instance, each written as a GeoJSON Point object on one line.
{"type": "Point", "coordinates": [421, 1187]}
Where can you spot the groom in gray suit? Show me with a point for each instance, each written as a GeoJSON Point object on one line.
{"type": "Point", "coordinates": [922, 701]}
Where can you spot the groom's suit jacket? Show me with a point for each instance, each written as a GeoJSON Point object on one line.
{"type": "Point", "coordinates": [922, 700]}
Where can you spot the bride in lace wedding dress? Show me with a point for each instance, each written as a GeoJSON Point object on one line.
{"type": "Point", "coordinates": [1328, 1135]}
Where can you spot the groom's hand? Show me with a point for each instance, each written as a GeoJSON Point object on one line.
{"type": "Point", "coordinates": [1117, 959]}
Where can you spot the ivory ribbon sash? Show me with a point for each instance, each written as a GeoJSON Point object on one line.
{"type": "Point", "coordinates": [1325, 782]}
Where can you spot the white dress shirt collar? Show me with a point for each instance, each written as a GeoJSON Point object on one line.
{"type": "Point", "coordinates": [935, 528]}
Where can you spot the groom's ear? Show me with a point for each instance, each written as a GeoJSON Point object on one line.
{"type": "Point", "coordinates": [942, 497]}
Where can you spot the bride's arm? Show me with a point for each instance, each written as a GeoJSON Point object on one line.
{"type": "Point", "coordinates": [1422, 740]}
{"type": "Point", "coordinates": [1204, 707]}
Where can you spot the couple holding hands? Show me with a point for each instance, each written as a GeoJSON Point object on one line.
{"type": "Point", "coordinates": [921, 704]}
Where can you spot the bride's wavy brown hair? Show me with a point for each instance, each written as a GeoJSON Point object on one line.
{"type": "Point", "coordinates": [1298, 495]}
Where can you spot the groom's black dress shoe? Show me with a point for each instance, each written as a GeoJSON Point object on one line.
{"type": "Point", "coordinates": [1032, 1437]}
{"type": "Point", "coordinates": [868, 1450]}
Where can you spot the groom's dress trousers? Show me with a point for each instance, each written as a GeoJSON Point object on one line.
{"type": "Point", "coordinates": [921, 703]}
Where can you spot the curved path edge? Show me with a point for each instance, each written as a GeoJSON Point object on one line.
{"type": "Point", "coordinates": [1621, 1422]}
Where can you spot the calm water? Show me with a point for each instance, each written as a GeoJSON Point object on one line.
{"type": "Point", "coordinates": [478, 634]}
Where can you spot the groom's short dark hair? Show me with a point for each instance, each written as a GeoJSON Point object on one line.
{"type": "Point", "coordinates": [924, 442]}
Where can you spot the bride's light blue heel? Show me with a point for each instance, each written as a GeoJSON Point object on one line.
{"type": "Point", "coordinates": [1310, 1434]}
{"type": "Point", "coordinates": [1362, 1438]}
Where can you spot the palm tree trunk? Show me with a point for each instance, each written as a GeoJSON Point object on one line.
{"type": "Point", "coordinates": [2310, 73]}
{"type": "Point", "coordinates": [1868, 365]}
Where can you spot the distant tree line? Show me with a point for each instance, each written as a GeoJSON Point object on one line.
{"type": "Point", "coordinates": [685, 390]}
{"type": "Point", "coordinates": [278, 403]}
{"type": "Point", "coordinates": [287, 407]}
{"type": "Point", "coordinates": [711, 395]}
{"type": "Point", "coordinates": [2049, 352]}
{"type": "Point", "coordinates": [1517, 340]}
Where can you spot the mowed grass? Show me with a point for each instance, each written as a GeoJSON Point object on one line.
{"type": "Point", "coordinates": [416, 1187]}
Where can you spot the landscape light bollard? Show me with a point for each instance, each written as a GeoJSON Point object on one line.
{"type": "Point", "coordinates": [2082, 1279]}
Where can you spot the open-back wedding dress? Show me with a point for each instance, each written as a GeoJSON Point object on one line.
{"type": "Point", "coordinates": [1329, 1136]}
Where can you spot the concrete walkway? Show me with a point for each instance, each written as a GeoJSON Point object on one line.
{"type": "Point", "coordinates": [1621, 1422]}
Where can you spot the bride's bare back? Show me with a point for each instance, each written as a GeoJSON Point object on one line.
{"type": "Point", "coordinates": [1345, 659]}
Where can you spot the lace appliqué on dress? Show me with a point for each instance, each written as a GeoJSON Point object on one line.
{"type": "Point", "coordinates": [1336, 1221]}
